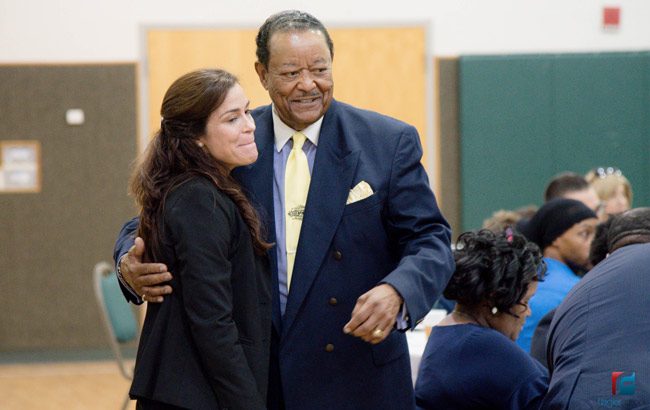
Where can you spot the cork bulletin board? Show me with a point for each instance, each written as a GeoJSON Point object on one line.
{"type": "Point", "coordinates": [20, 166]}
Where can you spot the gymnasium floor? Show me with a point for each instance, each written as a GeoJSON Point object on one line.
{"type": "Point", "coordinates": [73, 385]}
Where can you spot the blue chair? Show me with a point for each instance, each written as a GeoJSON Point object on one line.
{"type": "Point", "coordinates": [119, 318]}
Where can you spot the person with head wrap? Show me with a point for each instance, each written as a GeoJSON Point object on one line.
{"type": "Point", "coordinates": [597, 252]}
{"type": "Point", "coordinates": [563, 229]}
{"type": "Point", "coordinates": [597, 346]}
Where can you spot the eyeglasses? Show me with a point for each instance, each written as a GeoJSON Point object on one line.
{"type": "Point", "coordinates": [512, 314]}
{"type": "Point", "coordinates": [604, 172]}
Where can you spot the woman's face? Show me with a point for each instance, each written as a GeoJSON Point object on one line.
{"type": "Point", "coordinates": [229, 130]}
{"type": "Point", "coordinates": [618, 202]}
{"type": "Point", "coordinates": [510, 325]}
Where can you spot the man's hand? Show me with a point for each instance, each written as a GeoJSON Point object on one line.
{"type": "Point", "coordinates": [145, 278]}
{"type": "Point", "coordinates": [375, 314]}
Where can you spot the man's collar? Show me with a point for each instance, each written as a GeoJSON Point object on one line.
{"type": "Point", "coordinates": [283, 133]}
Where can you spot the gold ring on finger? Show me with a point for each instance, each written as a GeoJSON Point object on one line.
{"type": "Point", "coordinates": [377, 333]}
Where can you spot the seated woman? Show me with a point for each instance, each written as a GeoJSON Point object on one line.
{"type": "Point", "coordinates": [613, 189]}
{"type": "Point", "coordinates": [207, 345]}
{"type": "Point", "coordinates": [471, 360]}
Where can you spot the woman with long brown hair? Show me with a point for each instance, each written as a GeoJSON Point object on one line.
{"type": "Point", "coordinates": [207, 345]}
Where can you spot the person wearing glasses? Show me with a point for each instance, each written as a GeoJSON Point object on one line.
{"type": "Point", "coordinates": [471, 360]}
{"type": "Point", "coordinates": [612, 188]}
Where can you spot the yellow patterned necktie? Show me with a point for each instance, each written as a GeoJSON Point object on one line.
{"type": "Point", "coordinates": [296, 186]}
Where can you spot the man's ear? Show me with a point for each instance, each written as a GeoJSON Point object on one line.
{"type": "Point", "coordinates": [262, 73]}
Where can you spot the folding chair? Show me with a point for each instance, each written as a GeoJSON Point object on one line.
{"type": "Point", "coordinates": [119, 318]}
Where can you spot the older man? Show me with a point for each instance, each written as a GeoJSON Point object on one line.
{"type": "Point", "coordinates": [361, 246]}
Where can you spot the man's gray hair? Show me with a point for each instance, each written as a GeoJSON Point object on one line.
{"type": "Point", "coordinates": [288, 20]}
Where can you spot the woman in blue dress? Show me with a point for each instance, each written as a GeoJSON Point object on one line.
{"type": "Point", "coordinates": [471, 360]}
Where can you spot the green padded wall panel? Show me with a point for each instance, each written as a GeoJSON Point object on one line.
{"type": "Point", "coordinates": [525, 118]}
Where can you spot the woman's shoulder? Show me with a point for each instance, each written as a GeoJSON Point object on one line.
{"type": "Point", "coordinates": [470, 341]}
{"type": "Point", "coordinates": [197, 193]}
{"type": "Point", "coordinates": [465, 333]}
{"type": "Point", "coordinates": [497, 367]}
{"type": "Point", "coordinates": [193, 184]}
{"type": "Point", "coordinates": [496, 343]}
{"type": "Point", "coordinates": [493, 350]}
{"type": "Point", "coordinates": [195, 188]}
{"type": "Point", "coordinates": [507, 370]}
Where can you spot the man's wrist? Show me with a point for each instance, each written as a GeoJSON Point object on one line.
{"type": "Point", "coordinates": [124, 283]}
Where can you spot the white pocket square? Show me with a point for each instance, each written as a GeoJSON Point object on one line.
{"type": "Point", "coordinates": [361, 191]}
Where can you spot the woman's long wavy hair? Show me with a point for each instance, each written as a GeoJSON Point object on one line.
{"type": "Point", "coordinates": [174, 156]}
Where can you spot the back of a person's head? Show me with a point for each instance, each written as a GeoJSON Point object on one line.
{"type": "Point", "coordinates": [606, 180]}
{"type": "Point", "coordinates": [500, 220]}
{"type": "Point", "coordinates": [629, 228]}
{"type": "Point", "coordinates": [563, 183]}
{"type": "Point", "coordinates": [493, 267]}
{"type": "Point", "coordinates": [526, 212]}
{"type": "Point", "coordinates": [599, 249]}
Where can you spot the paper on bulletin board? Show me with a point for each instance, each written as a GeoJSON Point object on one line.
{"type": "Point", "coordinates": [20, 166]}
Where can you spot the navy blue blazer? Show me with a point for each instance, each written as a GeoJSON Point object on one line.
{"type": "Point", "coordinates": [603, 327]}
{"type": "Point", "coordinates": [396, 236]}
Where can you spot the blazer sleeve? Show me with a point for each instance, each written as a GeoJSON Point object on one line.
{"type": "Point", "coordinates": [420, 232]}
{"type": "Point", "coordinates": [201, 225]}
{"type": "Point", "coordinates": [125, 240]}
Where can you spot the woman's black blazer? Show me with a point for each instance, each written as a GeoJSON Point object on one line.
{"type": "Point", "coordinates": [207, 345]}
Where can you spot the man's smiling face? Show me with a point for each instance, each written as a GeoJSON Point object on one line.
{"type": "Point", "coordinates": [298, 77]}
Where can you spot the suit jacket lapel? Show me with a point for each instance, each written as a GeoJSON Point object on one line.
{"type": "Point", "coordinates": [257, 180]}
{"type": "Point", "coordinates": [332, 175]}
